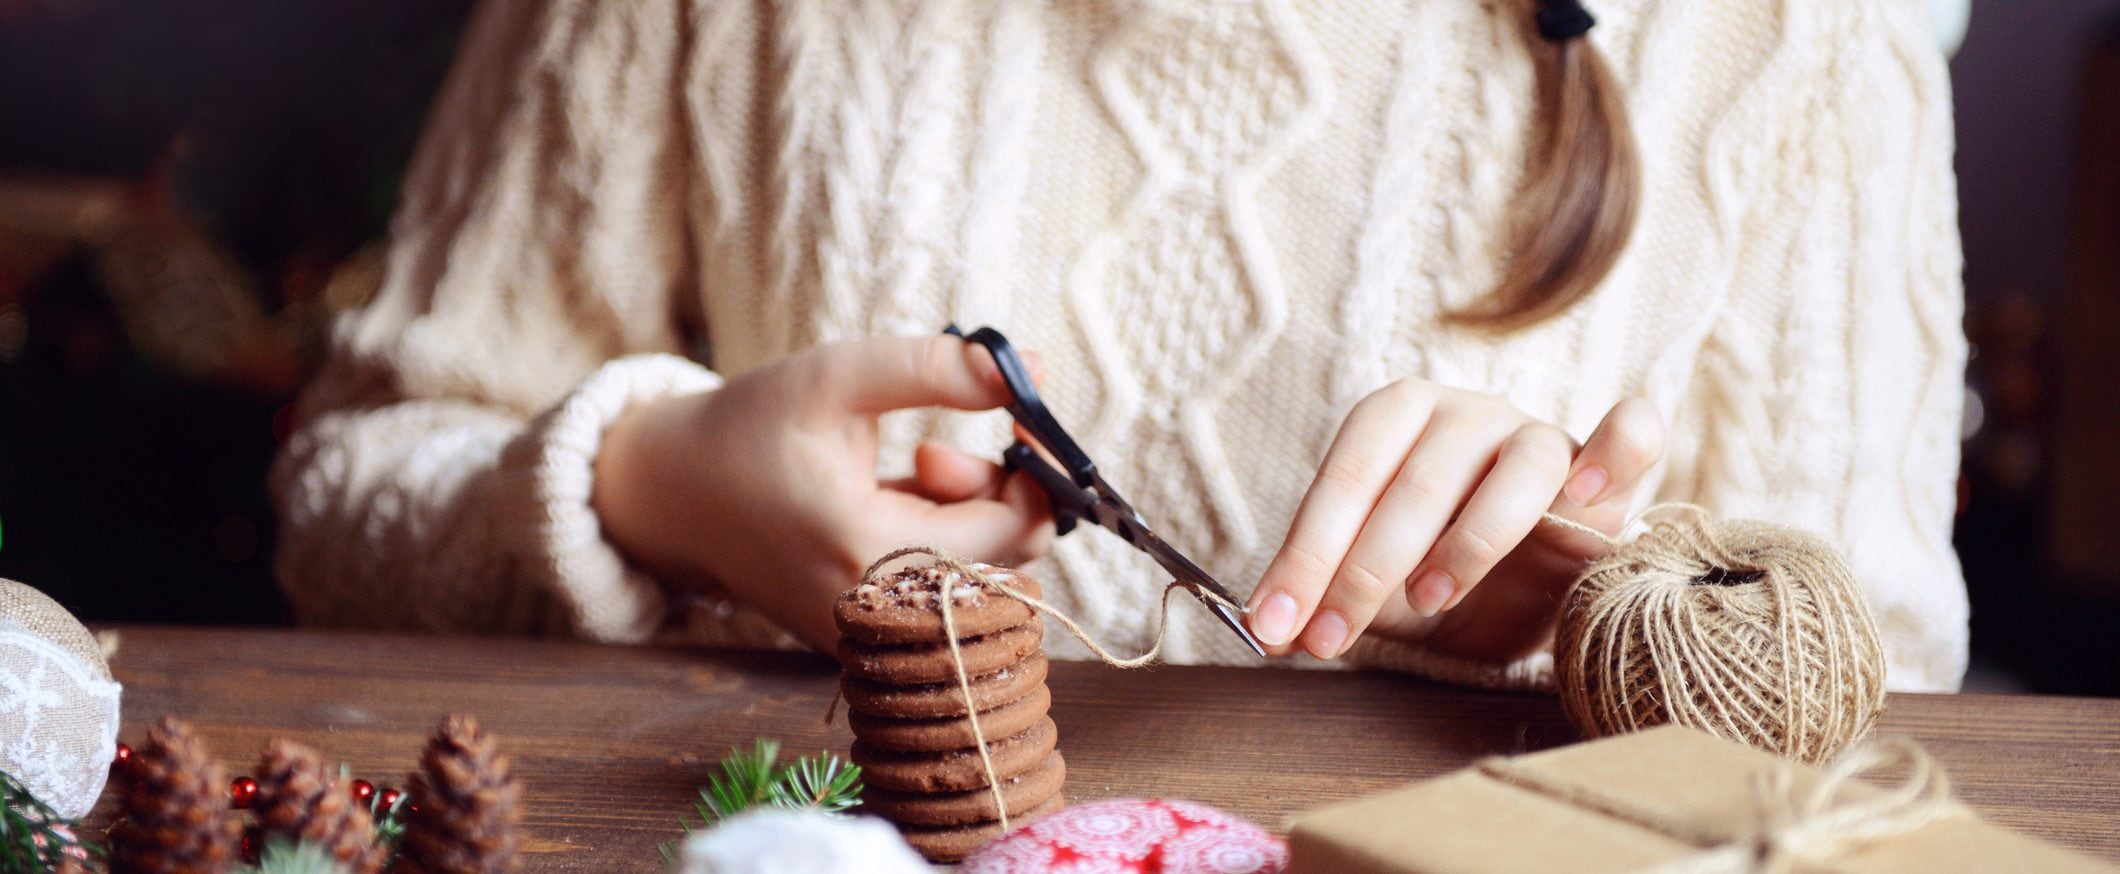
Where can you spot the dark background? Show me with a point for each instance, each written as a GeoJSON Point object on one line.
{"type": "Point", "coordinates": [188, 190]}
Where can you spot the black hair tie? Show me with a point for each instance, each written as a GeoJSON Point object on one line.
{"type": "Point", "coordinates": [1563, 20]}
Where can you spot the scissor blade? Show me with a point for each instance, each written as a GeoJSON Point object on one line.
{"type": "Point", "coordinates": [1200, 582]}
{"type": "Point", "coordinates": [1229, 618]}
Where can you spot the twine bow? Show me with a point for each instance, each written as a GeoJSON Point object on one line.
{"type": "Point", "coordinates": [1793, 827]}
{"type": "Point", "coordinates": [1821, 824]}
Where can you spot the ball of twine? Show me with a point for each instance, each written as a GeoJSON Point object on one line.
{"type": "Point", "coordinates": [1749, 631]}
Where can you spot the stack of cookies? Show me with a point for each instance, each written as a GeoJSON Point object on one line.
{"type": "Point", "coordinates": [912, 739]}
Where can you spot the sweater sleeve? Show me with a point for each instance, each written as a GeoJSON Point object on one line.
{"type": "Point", "coordinates": [538, 280]}
{"type": "Point", "coordinates": [1828, 394]}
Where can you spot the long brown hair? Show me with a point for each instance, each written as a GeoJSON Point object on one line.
{"type": "Point", "coordinates": [1582, 182]}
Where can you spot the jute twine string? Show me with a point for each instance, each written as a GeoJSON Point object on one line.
{"type": "Point", "coordinates": [944, 601]}
{"type": "Point", "coordinates": [1794, 827]}
{"type": "Point", "coordinates": [1749, 631]}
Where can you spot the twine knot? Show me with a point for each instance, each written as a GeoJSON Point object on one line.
{"type": "Point", "coordinates": [1799, 827]}
{"type": "Point", "coordinates": [1795, 830]}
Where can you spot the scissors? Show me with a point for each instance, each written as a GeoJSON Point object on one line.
{"type": "Point", "coordinates": [1080, 493]}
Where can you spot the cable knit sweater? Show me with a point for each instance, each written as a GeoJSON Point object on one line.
{"type": "Point", "coordinates": [1221, 222]}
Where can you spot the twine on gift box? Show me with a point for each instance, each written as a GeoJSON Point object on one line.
{"type": "Point", "coordinates": [1752, 632]}
{"type": "Point", "coordinates": [943, 601]}
{"type": "Point", "coordinates": [1794, 827]}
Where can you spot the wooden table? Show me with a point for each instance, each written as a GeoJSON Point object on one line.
{"type": "Point", "coordinates": [613, 742]}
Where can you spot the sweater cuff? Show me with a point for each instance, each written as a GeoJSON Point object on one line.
{"type": "Point", "coordinates": [1532, 673]}
{"type": "Point", "coordinates": [601, 596]}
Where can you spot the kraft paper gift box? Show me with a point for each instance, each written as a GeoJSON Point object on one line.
{"type": "Point", "coordinates": [1665, 799]}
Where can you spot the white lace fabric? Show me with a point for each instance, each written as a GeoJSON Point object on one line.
{"type": "Point", "coordinates": [58, 703]}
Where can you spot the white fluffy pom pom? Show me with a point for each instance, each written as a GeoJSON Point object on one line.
{"type": "Point", "coordinates": [784, 841]}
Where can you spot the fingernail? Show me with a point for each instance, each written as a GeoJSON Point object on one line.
{"type": "Point", "coordinates": [1327, 632]}
{"type": "Point", "coordinates": [1587, 483]}
{"type": "Point", "coordinates": [1431, 592]}
{"type": "Point", "coordinates": [1274, 621]}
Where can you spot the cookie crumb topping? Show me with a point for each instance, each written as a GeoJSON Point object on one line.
{"type": "Point", "coordinates": [917, 587]}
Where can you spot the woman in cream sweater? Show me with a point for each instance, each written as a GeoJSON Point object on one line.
{"type": "Point", "coordinates": [1342, 294]}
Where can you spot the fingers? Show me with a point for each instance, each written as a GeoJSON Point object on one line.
{"type": "Point", "coordinates": [1625, 445]}
{"type": "Point", "coordinates": [1469, 493]}
{"type": "Point", "coordinates": [1010, 528]}
{"type": "Point", "coordinates": [1528, 472]}
{"type": "Point", "coordinates": [895, 373]}
{"type": "Point", "coordinates": [1364, 457]}
{"type": "Point", "coordinates": [1612, 464]}
{"type": "Point", "coordinates": [945, 475]}
{"type": "Point", "coordinates": [1443, 469]}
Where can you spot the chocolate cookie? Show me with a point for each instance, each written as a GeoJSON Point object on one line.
{"type": "Point", "coordinates": [1020, 793]}
{"type": "Point", "coordinates": [905, 663]}
{"type": "Point", "coordinates": [951, 843]}
{"type": "Point", "coordinates": [950, 732]}
{"type": "Point", "coordinates": [956, 770]}
{"type": "Point", "coordinates": [931, 700]}
{"type": "Point", "coordinates": [901, 607]}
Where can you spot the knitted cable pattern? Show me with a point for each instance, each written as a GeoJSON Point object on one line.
{"type": "Point", "coordinates": [1222, 224]}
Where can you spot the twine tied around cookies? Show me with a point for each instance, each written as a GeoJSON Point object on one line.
{"type": "Point", "coordinates": [943, 601]}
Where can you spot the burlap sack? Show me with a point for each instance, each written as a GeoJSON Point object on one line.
{"type": "Point", "coordinates": [58, 703]}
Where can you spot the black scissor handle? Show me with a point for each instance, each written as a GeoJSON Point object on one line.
{"type": "Point", "coordinates": [1070, 484]}
{"type": "Point", "coordinates": [1020, 456]}
{"type": "Point", "coordinates": [1029, 409]}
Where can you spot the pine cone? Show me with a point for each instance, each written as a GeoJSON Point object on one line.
{"type": "Point", "coordinates": [463, 813]}
{"type": "Point", "coordinates": [173, 807]}
{"type": "Point", "coordinates": [299, 801]}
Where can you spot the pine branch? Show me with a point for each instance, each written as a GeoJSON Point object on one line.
{"type": "Point", "coordinates": [825, 784]}
{"type": "Point", "coordinates": [389, 821]}
{"type": "Point", "coordinates": [748, 780]}
{"type": "Point", "coordinates": [33, 837]}
{"type": "Point", "coordinates": [281, 857]}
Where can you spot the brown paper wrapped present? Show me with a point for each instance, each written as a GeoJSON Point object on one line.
{"type": "Point", "coordinates": [1674, 800]}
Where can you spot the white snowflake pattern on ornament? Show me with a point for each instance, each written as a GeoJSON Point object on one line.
{"type": "Point", "coordinates": [1008, 855]}
{"type": "Point", "coordinates": [1224, 849]}
{"type": "Point", "coordinates": [1127, 830]}
{"type": "Point", "coordinates": [1133, 836]}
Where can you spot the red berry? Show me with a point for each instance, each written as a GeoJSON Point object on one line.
{"type": "Point", "coordinates": [124, 756]}
{"type": "Point", "coordinates": [390, 798]}
{"type": "Point", "coordinates": [241, 792]}
{"type": "Point", "coordinates": [363, 790]}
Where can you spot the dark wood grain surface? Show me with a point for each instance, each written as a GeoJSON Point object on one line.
{"type": "Point", "coordinates": [613, 742]}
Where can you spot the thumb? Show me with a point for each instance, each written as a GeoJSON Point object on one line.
{"type": "Point", "coordinates": [896, 373]}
